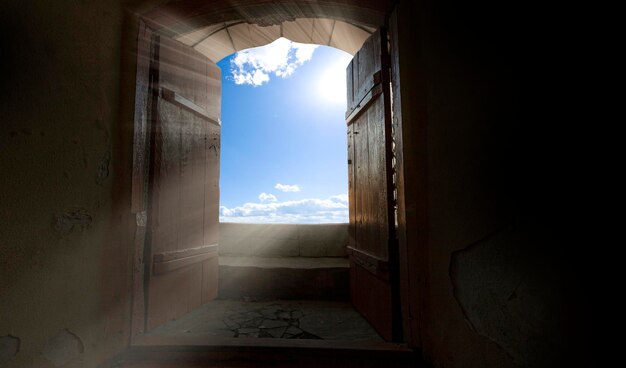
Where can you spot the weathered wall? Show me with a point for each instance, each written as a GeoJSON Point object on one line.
{"type": "Point", "coordinates": [482, 259]}
{"type": "Point", "coordinates": [482, 256]}
{"type": "Point", "coordinates": [66, 230]}
{"type": "Point", "coordinates": [64, 273]}
{"type": "Point", "coordinates": [284, 240]}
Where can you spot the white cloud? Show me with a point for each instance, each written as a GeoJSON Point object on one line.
{"type": "Point", "coordinates": [266, 197]}
{"type": "Point", "coordinates": [281, 58]}
{"type": "Point", "coordinates": [287, 187]}
{"type": "Point", "coordinates": [306, 211]}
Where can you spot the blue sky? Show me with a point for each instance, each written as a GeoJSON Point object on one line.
{"type": "Point", "coordinates": [283, 157]}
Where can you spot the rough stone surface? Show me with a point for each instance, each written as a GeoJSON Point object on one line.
{"type": "Point", "coordinates": [505, 297]}
{"type": "Point", "coordinates": [270, 312]}
{"type": "Point", "coordinates": [296, 314]}
{"type": "Point", "coordinates": [293, 330]}
{"type": "Point", "coordinates": [277, 320]}
{"type": "Point", "coordinates": [255, 322]}
{"type": "Point", "coordinates": [281, 319]}
{"type": "Point", "coordinates": [72, 220]}
{"type": "Point", "coordinates": [103, 169]}
{"type": "Point", "coordinates": [276, 332]}
{"type": "Point", "coordinates": [230, 324]}
{"type": "Point", "coordinates": [253, 314]}
{"type": "Point", "coordinates": [9, 347]}
{"type": "Point", "coordinates": [269, 323]}
{"type": "Point", "coordinates": [333, 324]}
{"type": "Point", "coordinates": [62, 348]}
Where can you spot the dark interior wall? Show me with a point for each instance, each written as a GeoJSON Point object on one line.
{"type": "Point", "coordinates": [482, 214]}
{"type": "Point", "coordinates": [480, 250]}
{"type": "Point", "coordinates": [64, 270]}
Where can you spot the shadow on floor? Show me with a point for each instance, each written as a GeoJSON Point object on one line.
{"type": "Point", "coordinates": [323, 320]}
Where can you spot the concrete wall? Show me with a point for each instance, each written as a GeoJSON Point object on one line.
{"type": "Point", "coordinates": [283, 240]}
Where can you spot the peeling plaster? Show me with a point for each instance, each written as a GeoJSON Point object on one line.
{"type": "Point", "coordinates": [142, 218]}
{"type": "Point", "coordinates": [9, 347]}
{"type": "Point", "coordinates": [103, 168]}
{"type": "Point", "coordinates": [74, 219]}
{"type": "Point", "coordinates": [505, 297]}
{"type": "Point", "coordinates": [62, 348]}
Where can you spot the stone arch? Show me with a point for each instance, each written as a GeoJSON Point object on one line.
{"type": "Point", "coordinates": [192, 22]}
{"type": "Point", "coordinates": [219, 28]}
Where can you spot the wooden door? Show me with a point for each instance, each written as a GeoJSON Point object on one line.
{"type": "Point", "coordinates": [184, 181]}
{"type": "Point", "coordinates": [373, 246]}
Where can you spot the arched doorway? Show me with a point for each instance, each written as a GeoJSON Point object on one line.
{"type": "Point", "coordinates": [373, 244]}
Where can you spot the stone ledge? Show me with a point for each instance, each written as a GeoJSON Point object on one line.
{"type": "Point", "coordinates": [284, 262]}
{"type": "Point", "coordinates": [249, 280]}
{"type": "Point", "coordinates": [284, 240]}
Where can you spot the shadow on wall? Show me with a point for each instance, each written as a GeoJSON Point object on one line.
{"type": "Point", "coordinates": [508, 296]}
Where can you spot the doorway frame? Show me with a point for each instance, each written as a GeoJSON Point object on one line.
{"type": "Point", "coordinates": [410, 154]}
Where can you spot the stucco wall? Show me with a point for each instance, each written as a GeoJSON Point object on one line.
{"type": "Point", "coordinates": [482, 250]}
{"type": "Point", "coordinates": [65, 154]}
{"type": "Point", "coordinates": [63, 295]}
{"type": "Point", "coordinates": [66, 230]}
{"type": "Point", "coordinates": [284, 240]}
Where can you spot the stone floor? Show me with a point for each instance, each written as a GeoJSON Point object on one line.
{"type": "Point", "coordinates": [272, 319]}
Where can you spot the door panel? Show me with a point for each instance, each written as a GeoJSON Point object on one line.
{"type": "Point", "coordinates": [373, 247]}
{"type": "Point", "coordinates": [184, 182]}
{"type": "Point", "coordinates": [212, 181]}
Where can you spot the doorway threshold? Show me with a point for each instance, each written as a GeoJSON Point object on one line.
{"type": "Point", "coordinates": [223, 352]}
{"type": "Point", "coordinates": [199, 343]}
{"type": "Point", "coordinates": [272, 319]}
{"type": "Point", "coordinates": [233, 333]}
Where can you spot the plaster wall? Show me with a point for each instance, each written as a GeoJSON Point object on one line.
{"type": "Point", "coordinates": [64, 270]}
{"type": "Point", "coordinates": [482, 253]}
{"type": "Point", "coordinates": [481, 259]}
{"type": "Point", "coordinates": [66, 227]}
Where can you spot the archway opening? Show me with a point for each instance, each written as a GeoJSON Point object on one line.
{"type": "Point", "coordinates": [286, 276]}
{"type": "Point", "coordinates": [368, 115]}
{"type": "Point", "coordinates": [283, 149]}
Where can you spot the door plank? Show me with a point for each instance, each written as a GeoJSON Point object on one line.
{"type": "Point", "coordinates": [141, 119]}
{"type": "Point", "coordinates": [168, 299]}
{"type": "Point", "coordinates": [176, 98]}
{"type": "Point", "coordinates": [184, 201]}
{"type": "Point", "coordinates": [351, 187]}
{"type": "Point", "coordinates": [211, 185]}
{"type": "Point", "coordinates": [163, 267]}
{"type": "Point", "coordinates": [372, 267]}
{"type": "Point", "coordinates": [140, 172]}
{"type": "Point", "coordinates": [167, 184]}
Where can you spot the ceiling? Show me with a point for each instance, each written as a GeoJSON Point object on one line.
{"type": "Point", "coordinates": [219, 40]}
{"type": "Point", "coordinates": [218, 28]}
